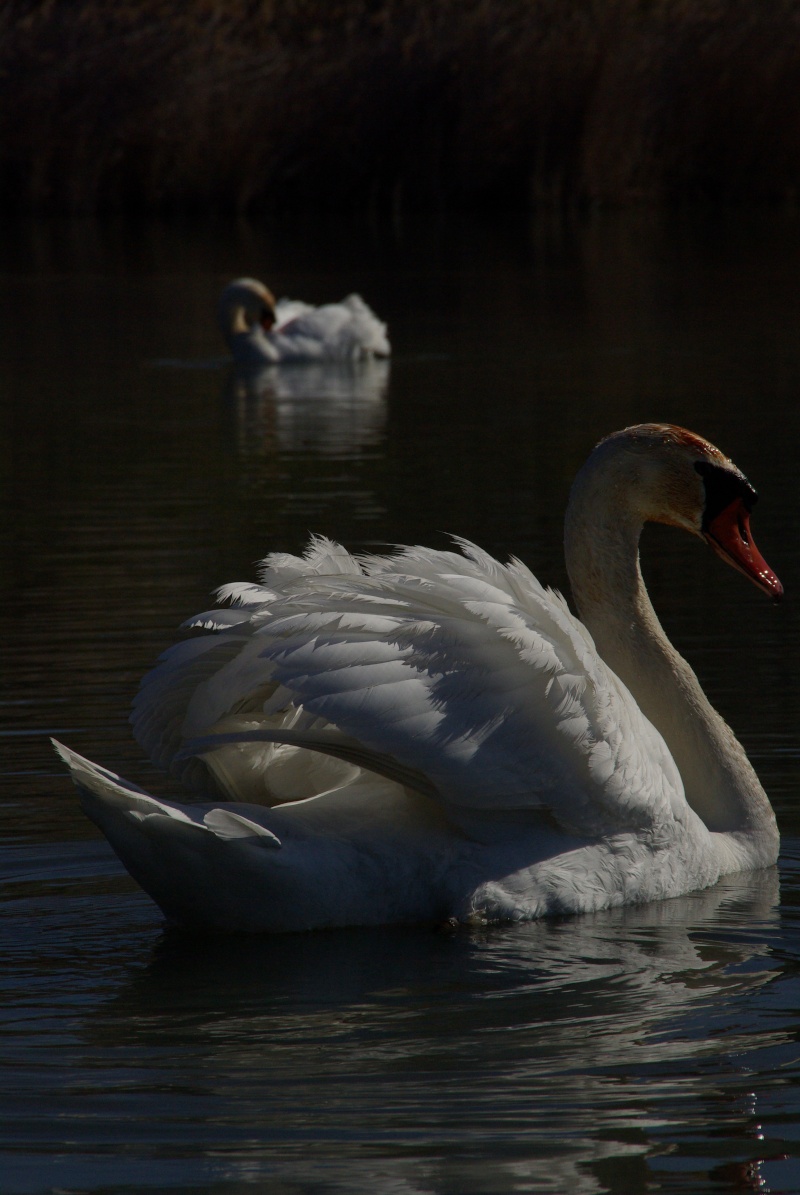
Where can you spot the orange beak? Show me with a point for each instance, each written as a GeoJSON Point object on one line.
{"type": "Point", "coordinates": [729, 536]}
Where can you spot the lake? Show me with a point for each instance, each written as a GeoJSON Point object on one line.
{"type": "Point", "coordinates": [643, 1049]}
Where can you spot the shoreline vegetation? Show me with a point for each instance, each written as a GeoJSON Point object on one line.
{"type": "Point", "coordinates": [273, 105]}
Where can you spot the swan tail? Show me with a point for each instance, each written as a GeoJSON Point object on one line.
{"type": "Point", "coordinates": [102, 791]}
{"type": "Point", "coordinates": [370, 334]}
{"type": "Point", "coordinates": [100, 783]}
{"type": "Point", "coordinates": [180, 856]}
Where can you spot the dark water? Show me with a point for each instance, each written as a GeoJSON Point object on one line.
{"type": "Point", "coordinates": [640, 1050]}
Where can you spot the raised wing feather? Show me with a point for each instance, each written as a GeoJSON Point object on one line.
{"type": "Point", "coordinates": [342, 331]}
{"type": "Point", "coordinates": [441, 665]}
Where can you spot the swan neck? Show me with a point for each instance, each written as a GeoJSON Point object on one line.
{"type": "Point", "coordinates": [602, 535]}
{"type": "Point", "coordinates": [232, 318]}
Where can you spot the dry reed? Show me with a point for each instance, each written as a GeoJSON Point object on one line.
{"type": "Point", "coordinates": [212, 105]}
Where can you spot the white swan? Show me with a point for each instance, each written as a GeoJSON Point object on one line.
{"type": "Point", "coordinates": [433, 734]}
{"type": "Point", "coordinates": [261, 331]}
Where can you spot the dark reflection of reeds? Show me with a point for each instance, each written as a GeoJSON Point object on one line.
{"type": "Point", "coordinates": [164, 104]}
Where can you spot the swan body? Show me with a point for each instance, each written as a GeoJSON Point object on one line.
{"type": "Point", "coordinates": [433, 734]}
{"type": "Point", "coordinates": [261, 331]}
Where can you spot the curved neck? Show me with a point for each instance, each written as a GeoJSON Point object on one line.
{"type": "Point", "coordinates": [602, 555]}
{"type": "Point", "coordinates": [232, 318]}
{"type": "Point", "coordinates": [247, 341]}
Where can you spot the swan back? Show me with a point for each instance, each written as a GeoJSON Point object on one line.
{"type": "Point", "coordinates": [456, 675]}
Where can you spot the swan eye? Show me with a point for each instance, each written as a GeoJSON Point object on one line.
{"type": "Point", "coordinates": [723, 487]}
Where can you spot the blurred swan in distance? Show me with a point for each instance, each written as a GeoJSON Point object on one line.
{"type": "Point", "coordinates": [261, 331]}
{"type": "Point", "coordinates": [432, 734]}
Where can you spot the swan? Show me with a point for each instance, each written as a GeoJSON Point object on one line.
{"type": "Point", "coordinates": [433, 735]}
{"type": "Point", "coordinates": [261, 331]}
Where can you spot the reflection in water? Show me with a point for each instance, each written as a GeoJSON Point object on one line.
{"type": "Point", "coordinates": [331, 409]}
{"type": "Point", "coordinates": [555, 1043]}
{"type": "Point", "coordinates": [308, 444]}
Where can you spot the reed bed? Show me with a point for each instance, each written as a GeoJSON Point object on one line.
{"type": "Point", "coordinates": [197, 105]}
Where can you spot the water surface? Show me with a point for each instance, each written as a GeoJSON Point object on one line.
{"type": "Point", "coordinates": [631, 1051]}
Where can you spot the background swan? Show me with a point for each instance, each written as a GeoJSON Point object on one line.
{"type": "Point", "coordinates": [434, 734]}
{"type": "Point", "coordinates": [260, 330]}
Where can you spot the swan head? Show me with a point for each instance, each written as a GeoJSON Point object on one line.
{"type": "Point", "coordinates": [245, 304]}
{"type": "Point", "coordinates": [671, 475]}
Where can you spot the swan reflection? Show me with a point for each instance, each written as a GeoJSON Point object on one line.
{"type": "Point", "coordinates": [577, 1040]}
{"type": "Point", "coordinates": [321, 407]}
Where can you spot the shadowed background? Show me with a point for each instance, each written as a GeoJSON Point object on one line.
{"type": "Point", "coordinates": [169, 105]}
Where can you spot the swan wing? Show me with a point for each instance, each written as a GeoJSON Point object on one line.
{"type": "Point", "coordinates": [446, 671]}
{"type": "Point", "coordinates": [335, 331]}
